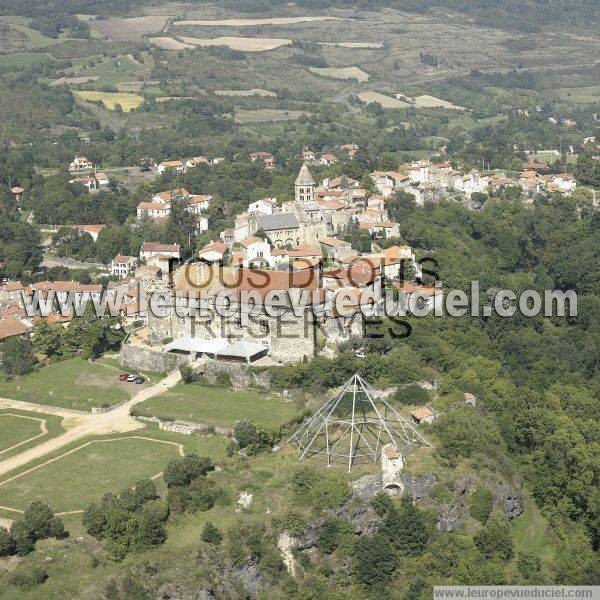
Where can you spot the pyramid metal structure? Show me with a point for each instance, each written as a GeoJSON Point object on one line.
{"type": "Point", "coordinates": [354, 425]}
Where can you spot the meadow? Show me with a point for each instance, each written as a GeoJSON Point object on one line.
{"type": "Point", "coordinates": [72, 383]}
{"type": "Point", "coordinates": [93, 468]}
{"type": "Point", "coordinates": [203, 404]}
{"type": "Point", "coordinates": [127, 100]}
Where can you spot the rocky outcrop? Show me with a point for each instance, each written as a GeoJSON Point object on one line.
{"type": "Point", "coordinates": [511, 501]}
{"type": "Point", "coordinates": [418, 487]}
{"type": "Point", "coordinates": [173, 591]}
{"type": "Point", "coordinates": [450, 517]}
{"type": "Point", "coordinates": [252, 579]}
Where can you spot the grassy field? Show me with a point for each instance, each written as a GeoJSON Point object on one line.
{"type": "Point", "coordinates": [168, 43]}
{"type": "Point", "coordinates": [112, 71]}
{"type": "Point", "coordinates": [72, 383]}
{"type": "Point", "coordinates": [580, 95]}
{"type": "Point", "coordinates": [262, 115]}
{"type": "Point", "coordinates": [341, 73]}
{"type": "Point", "coordinates": [385, 101]}
{"type": "Point", "coordinates": [15, 429]}
{"type": "Point", "coordinates": [24, 59]}
{"type": "Point", "coordinates": [530, 532]}
{"type": "Point", "coordinates": [217, 407]}
{"type": "Point", "coordinates": [16, 36]}
{"type": "Point", "coordinates": [20, 429]}
{"type": "Point", "coordinates": [127, 100]}
{"type": "Point", "coordinates": [70, 481]}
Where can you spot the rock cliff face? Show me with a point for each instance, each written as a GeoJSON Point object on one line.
{"type": "Point", "coordinates": [510, 500]}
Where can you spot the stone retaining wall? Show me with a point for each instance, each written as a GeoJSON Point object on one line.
{"type": "Point", "coordinates": [241, 375]}
{"type": "Point", "coordinates": [138, 358]}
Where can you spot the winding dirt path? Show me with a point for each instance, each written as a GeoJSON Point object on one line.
{"type": "Point", "coordinates": [117, 420]}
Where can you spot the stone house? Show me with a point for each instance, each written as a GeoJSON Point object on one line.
{"type": "Point", "coordinates": [122, 265]}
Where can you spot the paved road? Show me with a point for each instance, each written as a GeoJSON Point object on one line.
{"type": "Point", "coordinates": [81, 424]}
{"type": "Point", "coordinates": [70, 263]}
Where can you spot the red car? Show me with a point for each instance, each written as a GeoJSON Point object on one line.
{"type": "Point", "coordinates": [123, 376]}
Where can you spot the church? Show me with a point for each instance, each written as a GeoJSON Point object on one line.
{"type": "Point", "coordinates": [301, 221]}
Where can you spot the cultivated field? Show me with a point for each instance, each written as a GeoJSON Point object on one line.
{"type": "Point", "coordinates": [251, 22]}
{"type": "Point", "coordinates": [168, 43]}
{"type": "Point", "coordinates": [385, 101]}
{"type": "Point", "coordinates": [244, 44]}
{"type": "Point", "coordinates": [341, 73]}
{"type": "Point", "coordinates": [426, 101]}
{"type": "Point", "coordinates": [244, 93]}
{"type": "Point", "coordinates": [127, 100]}
{"type": "Point", "coordinates": [130, 30]}
{"type": "Point", "coordinates": [202, 404]}
{"type": "Point", "coordinates": [72, 383]}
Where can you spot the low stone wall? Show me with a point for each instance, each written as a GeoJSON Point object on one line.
{"type": "Point", "coordinates": [138, 358]}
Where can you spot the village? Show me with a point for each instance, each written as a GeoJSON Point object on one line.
{"type": "Point", "coordinates": [299, 242]}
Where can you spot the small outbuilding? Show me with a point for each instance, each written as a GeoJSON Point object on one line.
{"type": "Point", "coordinates": [422, 415]}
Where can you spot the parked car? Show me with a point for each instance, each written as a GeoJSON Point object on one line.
{"type": "Point", "coordinates": [123, 376]}
{"type": "Point", "coordinates": [131, 378]}
{"type": "Point", "coordinates": [140, 379]}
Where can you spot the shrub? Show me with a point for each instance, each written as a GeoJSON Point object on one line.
{"type": "Point", "coordinates": [8, 546]}
{"type": "Point", "coordinates": [412, 394]}
{"type": "Point", "coordinates": [494, 539]}
{"type": "Point", "coordinates": [181, 471]}
{"type": "Point", "coordinates": [374, 563]}
{"type": "Point", "coordinates": [321, 490]}
{"type": "Point", "coordinates": [223, 380]}
{"type": "Point", "coordinates": [331, 534]}
{"type": "Point", "coordinates": [211, 534]}
{"type": "Point", "coordinates": [481, 504]}
{"type": "Point", "coordinates": [27, 578]}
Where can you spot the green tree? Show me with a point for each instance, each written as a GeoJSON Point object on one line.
{"type": "Point", "coordinates": [17, 355]}
{"type": "Point", "coordinates": [374, 563]}
{"type": "Point", "coordinates": [406, 529]}
{"type": "Point", "coordinates": [481, 504]}
{"type": "Point", "coordinates": [8, 546]}
{"type": "Point", "coordinates": [181, 471]}
{"type": "Point", "coordinates": [47, 338]}
{"type": "Point", "coordinates": [21, 534]}
{"type": "Point", "coordinates": [493, 540]}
